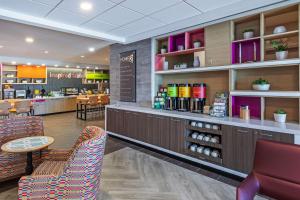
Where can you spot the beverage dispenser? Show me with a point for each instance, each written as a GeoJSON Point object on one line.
{"type": "Point", "coordinates": [184, 97]}
{"type": "Point", "coordinates": [198, 97]}
{"type": "Point", "coordinates": [171, 99]}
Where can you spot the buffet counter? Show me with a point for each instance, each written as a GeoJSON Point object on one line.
{"type": "Point", "coordinates": [227, 144]}
{"type": "Point", "coordinates": [266, 125]}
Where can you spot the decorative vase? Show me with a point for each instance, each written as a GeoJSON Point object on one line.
{"type": "Point", "coordinates": [197, 44]}
{"type": "Point", "coordinates": [279, 29]}
{"type": "Point", "coordinates": [259, 87]}
{"type": "Point", "coordinates": [248, 35]}
{"type": "Point", "coordinates": [180, 47]}
{"type": "Point", "coordinates": [281, 118]}
{"type": "Point", "coordinates": [281, 55]}
{"type": "Point", "coordinates": [162, 51]}
{"type": "Point", "coordinates": [196, 62]}
{"type": "Point", "coordinates": [166, 65]}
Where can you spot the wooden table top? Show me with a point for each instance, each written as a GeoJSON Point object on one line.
{"type": "Point", "coordinates": [27, 144]}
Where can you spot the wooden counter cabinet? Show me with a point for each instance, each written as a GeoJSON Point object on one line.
{"type": "Point", "coordinates": [239, 146]}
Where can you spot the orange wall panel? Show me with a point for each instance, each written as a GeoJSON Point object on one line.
{"type": "Point", "coordinates": [31, 71]}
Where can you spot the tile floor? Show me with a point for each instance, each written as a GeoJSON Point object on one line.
{"type": "Point", "coordinates": [65, 128]}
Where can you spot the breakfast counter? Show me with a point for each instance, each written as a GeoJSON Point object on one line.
{"type": "Point", "coordinates": [50, 105]}
{"type": "Point", "coordinates": [254, 124]}
{"type": "Point", "coordinates": [227, 144]}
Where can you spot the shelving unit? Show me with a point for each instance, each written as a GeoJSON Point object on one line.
{"type": "Point", "coordinates": [201, 143]}
{"type": "Point", "coordinates": [17, 76]}
{"type": "Point", "coordinates": [250, 59]}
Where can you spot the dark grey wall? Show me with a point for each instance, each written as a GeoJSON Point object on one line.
{"type": "Point", "coordinates": [143, 71]}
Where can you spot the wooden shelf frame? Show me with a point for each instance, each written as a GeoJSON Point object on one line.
{"type": "Point", "coordinates": [263, 63]}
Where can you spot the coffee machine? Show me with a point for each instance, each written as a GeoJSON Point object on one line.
{"type": "Point", "coordinates": [171, 99]}
{"type": "Point", "coordinates": [198, 97]}
{"type": "Point", "coordinates": [184, 97]}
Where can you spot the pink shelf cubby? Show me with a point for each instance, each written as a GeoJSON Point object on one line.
{"type": "Point", "coordinates": [253, 103]}
{"type": "Point", "coordinates": [246, 51]}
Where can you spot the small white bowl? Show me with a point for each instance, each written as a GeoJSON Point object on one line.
{"type": "Point", "coordinates": [264, 87]}
{"type": "Point", "coordinates": [279, 29]}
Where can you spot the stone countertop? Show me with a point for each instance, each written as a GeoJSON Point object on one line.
{"type": "Point", "coordinates": [267, 125]}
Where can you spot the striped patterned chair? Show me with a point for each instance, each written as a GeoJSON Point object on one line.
{"type": "Point", "coordinates": [12, 165]}
{"type": "Point", "coordinates": [73, 174]}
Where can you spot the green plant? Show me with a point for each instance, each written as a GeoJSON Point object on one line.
{"type": "Point", "coordinates": [164, 47]}
{"type": "Point", "coordinates": [260, 81]}
{"type": "Point", "coordinates": [248, 30]}
{"type": "Point", "coordinates": [279, 45]}
{"type": "Point", "coordinates": [197, 40]}
{"type": "Point", "coordinates": [280, 111]}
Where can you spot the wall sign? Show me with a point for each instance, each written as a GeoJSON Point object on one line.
{"type": "Point", "coordinates": [65, 73]}
{"type": "Point", "coordinates": [128, 76]}
{"type": "Point", "coordinates": [97, 76]}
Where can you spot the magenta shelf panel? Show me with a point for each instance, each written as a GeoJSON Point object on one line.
{"type": "Point", "coordinates": [252, 102]}
{"type": "Point", "coordinates": [175, 40]}
{"type": "Point", "coordinates": [191, 36]}
{"type": "Point", "coordinates": [246, 51]}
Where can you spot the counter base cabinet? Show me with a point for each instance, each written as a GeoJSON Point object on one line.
{"type": "Point", "coordinates": [59, 105]}
{"type": "Point", "coordinates": [164, 132]}
{"type": "Point", "coordinates": [239, 146]}
{"type": "Point", "coordinates": [237, 143]}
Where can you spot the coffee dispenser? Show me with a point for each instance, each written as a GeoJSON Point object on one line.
{"type": "Point", "coordinates": [184, 97]}
{"type": "Point", "coordinates": [171, 99]}
{"type": "Point", "coordinates": [198, 97]}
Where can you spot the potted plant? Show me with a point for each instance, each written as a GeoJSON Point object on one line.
{"type": "Point", "coordinates": [280, 115]}
{"type": "Point", "coordinates": [261, 84]}
{"type": "Point", "coordinates": [281, 49]}
{"type": "Point", "coordinates": [163, 49]}
{"type": "Point", "coordinates": [248, 33]}
{"type": "Point", "coordinates": [197, 43]}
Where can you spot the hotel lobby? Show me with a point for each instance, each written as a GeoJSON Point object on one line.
{"type": "Point", "coordinates": [149, 100]}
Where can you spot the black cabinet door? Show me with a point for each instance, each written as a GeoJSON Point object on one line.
{"type": "Point", "coordinates": [164, 132]}
{"type": "Point", "coordinates": [177, 133]}
{"type": "Point", "coordinates": [141, 126]}
{"type": "Point", "coordinates": [109, 120]}
{"type": "Point", "coordinates": [238, 149]}
{"type": "Point", "coordinates": [118, 121]}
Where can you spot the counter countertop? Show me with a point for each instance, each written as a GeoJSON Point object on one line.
{"type": "Point", "coordinates": [267, 125]}
{"type": "Point", "coordinates": [44, 98]}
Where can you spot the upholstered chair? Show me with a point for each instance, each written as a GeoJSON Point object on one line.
{"type": "Point", "coordinates": [68, 174]}
{"type": "Point", "coordinates": [275, 173]}
{"type": "Point", "coordinates": [12, 165]}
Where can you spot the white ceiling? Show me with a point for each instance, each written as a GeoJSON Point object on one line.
{"type": "Point", "coordinates": [62, 47]}
{"type": "Point", "coordinates": [125, 20]}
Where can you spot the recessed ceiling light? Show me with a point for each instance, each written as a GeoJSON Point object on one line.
{"type": "Point", "coordinates": [55, 65]}
{"type": "Point", "coordinates": [38, 66]}
{"type": "Point", "coordinates": [67, 66]}
{"type": "Point", "coordinates": [87, 67]}
{"type": "Point", "coordinates": [91, 49]}
{"type": "Point", "coordinates": [1, 46]}
{"type": "Point", "coordinates": [46, 52]}
{"type": "Point", "coordinates": [28, 63]}
{"type": "Point", "coordinates": [43, 64]}
{"type": "Point", "coordinates": [29, 39]}
{"type": "Point", "coordinates": [13, 62]}
{"type": "Point", "coordinates": [77, 66]}
{"type": "Point", "coordinates": [82, 56]}
{"type": "Point", "coordinates": [96, 68]}
{"type": "Point", "coordinates": [86, 6]}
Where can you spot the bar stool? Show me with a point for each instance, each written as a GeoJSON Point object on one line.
{"type": "Point", "coordinates": [103, 100]}
{"type": "Point", "coordinates": [92, 106]}
{"type": "Point", "coordinates": [23, 107]}
{"type": "Point", "coordinates": [4, 109]}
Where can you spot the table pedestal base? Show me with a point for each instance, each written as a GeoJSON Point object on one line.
{"type": "Point", "coordinates": [29, 166]}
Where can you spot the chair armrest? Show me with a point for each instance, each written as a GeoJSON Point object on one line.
{"type": "Point", "coordinates": [29, 184]}
{"type": "Point", "coordinates": [248, 188]}
{"type": "Point", "coordinates": [56, 154]}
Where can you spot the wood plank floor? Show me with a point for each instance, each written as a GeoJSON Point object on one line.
{"type": "Point", "coordinates": [133, 175]}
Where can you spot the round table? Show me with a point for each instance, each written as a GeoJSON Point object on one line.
{"type": "Point", "coordinates": [27, 145]}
